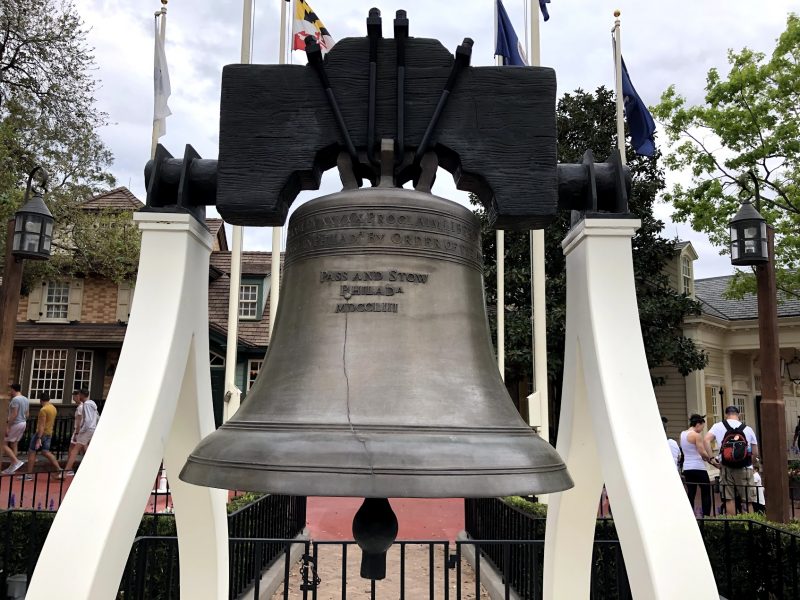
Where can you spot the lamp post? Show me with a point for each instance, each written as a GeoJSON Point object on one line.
{"type": "Point", "coordinates": [752, 244]}
{"type": "Point", "coordinates": [29, 235]}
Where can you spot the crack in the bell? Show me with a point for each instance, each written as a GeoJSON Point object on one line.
{"type": "Point", "coordinates": [347, 383]}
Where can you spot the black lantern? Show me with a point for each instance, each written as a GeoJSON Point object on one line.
{"type": "Point", "coordinates": [748, 237]}
{"type": "Point", "coordinates": [793, 370]}
{"type": "Point", "coordinates": [33, 226]}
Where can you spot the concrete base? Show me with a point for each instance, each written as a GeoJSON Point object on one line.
{"type": "Point", "coordinates": [273, 579]}
{"type": "Point", "coordinates": [610, 433]}
{"type": "Point", "coordinates": [491, 578]}
{"type": "Point", "coordinates": [159, 407]}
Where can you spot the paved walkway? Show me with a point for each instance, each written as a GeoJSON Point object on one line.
{"type": "Point", "coordinates": [331, 519]}
{"type": "Point", "coordinates": [419, 518]}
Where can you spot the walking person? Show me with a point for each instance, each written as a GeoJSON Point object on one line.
{"type": "Point", "coordinates": [738, 449]}
{"type": "Point", "coordinates": [15, 426]}
{"type": "Point", "coordinates": [86, 416]}
{"type": "Point", "coordinates": [696, 453]}
{"type": "Point", "coordinates": [40, 442]}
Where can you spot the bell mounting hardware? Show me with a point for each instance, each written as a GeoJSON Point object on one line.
{"type": "Point", "coordinates": [493, 128]}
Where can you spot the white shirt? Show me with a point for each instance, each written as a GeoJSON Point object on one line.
{"type": "Point", "coordinates": [759, 489]}
{"type": "Point", "coordinates": [89, 415]}
{"type": "Point", "coordinates": [692, 460]}
{"type": "Point", "coordinates": [676, 452]}
{"type": "Point", "coordinates": [719, 431]}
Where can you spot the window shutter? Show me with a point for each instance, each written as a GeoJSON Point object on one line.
{"type": "Point", "coordinates": [75, 300]}
{"type": "Point", "coordinates": [35, 302]}
{"type": "Point", "coordinates": [124, 302]}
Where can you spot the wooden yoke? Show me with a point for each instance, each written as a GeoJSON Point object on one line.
{"type": "Point", "coordinates": [496, 134]}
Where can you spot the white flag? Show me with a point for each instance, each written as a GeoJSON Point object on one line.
{"type": "Point", "coordinates": [161, 88]}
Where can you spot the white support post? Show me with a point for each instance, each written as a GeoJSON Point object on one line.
{"type": "Point", "coordinates": [159, 406]}
{"type": "Point", "coordinates": [610, 431]}
{"type": "Point", "coordinates": [619, 99]}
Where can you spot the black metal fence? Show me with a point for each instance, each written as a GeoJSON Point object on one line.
{"type": "Point", "coordinates": [151, 572]}
{"type": "Point", "coordinates": [750, 559]}
{"type": "Point", "coordinates": [45, 490]}
{"type": "Point", "coordinates": [745, 499]}
{"type": "Point", "coordinates": [59, 443]}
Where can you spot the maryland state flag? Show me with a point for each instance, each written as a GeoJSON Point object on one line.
{"type": "Point", "coordinates": [306, 23]}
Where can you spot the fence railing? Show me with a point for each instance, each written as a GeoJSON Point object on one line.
{"type": "Point", "coordinates": [432, 569]}
{"type": "Point", "coordinates": [152, 565]}
{"type": "Point", "coordinates": [750, 559]}
{"type": "Point", "coordinates": [151, 572]}
{"type": "Point", "coordinates": [59, 443]}
{"type": "Point", "coordinates": [709, 500]}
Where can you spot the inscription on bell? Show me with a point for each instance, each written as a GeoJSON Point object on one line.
{"type": "Point", "coordinates": [361, 283]}
{"type": "Point", "coordinates": [390, 276]}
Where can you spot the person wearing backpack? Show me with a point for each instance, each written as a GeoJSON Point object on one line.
{"type": "Point", "coordinates": [738, 448]}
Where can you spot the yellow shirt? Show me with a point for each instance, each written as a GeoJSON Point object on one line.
{"type": "Point", "coordinates": [50, 413]}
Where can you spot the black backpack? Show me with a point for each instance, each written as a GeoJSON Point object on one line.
{"type": "Point", "coordinates": [735, 451]}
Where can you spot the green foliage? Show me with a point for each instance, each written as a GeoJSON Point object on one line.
{"type": "Point", "coordinates": [48, 117]}
{"type": "Point", "coordinates": [240, 502]}
{"type": "Point", "coordinates": [742, 143]}
{"type": "Point", "coordinates": [587, 121]}
{"type": "Point", "coordinates": [536, 510]}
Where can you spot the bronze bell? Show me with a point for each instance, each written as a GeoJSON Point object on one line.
{"type": "Point", "coordinates": [380, 380]}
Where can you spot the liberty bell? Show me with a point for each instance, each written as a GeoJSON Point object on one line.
{"type": "Point", "coordinates": [380, 380]}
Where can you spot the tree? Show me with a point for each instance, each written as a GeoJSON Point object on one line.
{"type": "Point", "coordinates": [743, 144]}
{"type": "Point", "coordinates": [48, 117]}
{"type": "Point", "coordinates": [587, 121]}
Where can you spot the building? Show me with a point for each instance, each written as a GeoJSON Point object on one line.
{"type": "Point", "coordinates": [69, 333]}
{"type": "Point", "coordinates": [728, 331]}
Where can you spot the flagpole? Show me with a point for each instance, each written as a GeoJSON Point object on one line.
{"type": "Point", "coordinates": [618, 87]}
{"type": "Point", "coordinates": [162, 31]}
{"type": "Point", "coordinates": [500, 244]}
{"type": "Point", "coordinates": [233, 395]}
{"type": "Point", "coordinates": [539, 398]}
{"type": "Point", "coordinates": [277, 232]}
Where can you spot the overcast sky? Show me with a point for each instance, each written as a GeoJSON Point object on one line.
{"type": "Point", "coordinates": [663, 41]}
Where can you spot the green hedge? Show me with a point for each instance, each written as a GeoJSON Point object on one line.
{"type": "Point", "coordinates": [752, 558]}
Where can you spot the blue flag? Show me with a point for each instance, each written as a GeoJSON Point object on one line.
{"type": "Point", "coordinates": [640, 121]}
{"type": "Point", "coordinates": [507, 41]}
{"type": "Point", "coordinates": [543, 5]}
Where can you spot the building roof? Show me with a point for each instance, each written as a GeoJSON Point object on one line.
{"type": "Point", "coordinates": [87, 334]}
{"type": "Point", "coordinates": [120, 198]}
{"type": "Point", "coordinates": [711, 294]}
{"type": "Point", "coordinates": [254, 334]}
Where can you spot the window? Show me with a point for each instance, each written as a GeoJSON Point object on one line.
{"type": "Point", "coordinates": [56, 303]}
{"type": "Point", "coordinates": [253, 369]}
{"type": "Point", "coordinates": [48, 373]}
{"type": "Point", "coordinates": [738, 402]}
{"type": "Point", "coordinates": [248, 301]}
{"type": "Point", "coordinates": [216, 360]}
{"type": "Point", "coordinates": [83, 369]}
{"type": "Point", "coordinates": [713, 410]}
{"type": "Point", "coordinates": [686, 275]}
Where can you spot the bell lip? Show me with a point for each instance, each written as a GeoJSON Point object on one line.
{"type": "Point", "coordinates": [368, 486]}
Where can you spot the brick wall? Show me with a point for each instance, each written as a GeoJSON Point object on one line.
{"type": "Point", "coordinates": [99, 301]}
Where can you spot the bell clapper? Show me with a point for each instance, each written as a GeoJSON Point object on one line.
{"type": "Point", "coordinates": [374, 529]}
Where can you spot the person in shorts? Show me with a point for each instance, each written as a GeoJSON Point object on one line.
{"type": "Point", "coordinates": [736, 481]}
{"type": "Point", "coordinates": [86, 417]}
{"type": "Point", "coordinates": [15, 426]}
{"type": "Point", "coordinates": [40, 442]}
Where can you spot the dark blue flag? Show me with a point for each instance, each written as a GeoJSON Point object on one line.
{"type": "Point", "coordinates": [507, 41]}
{"type": "Point", "coordinates": [543, 5]}
{"type": "Point", "coordinates": [640, 121]}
